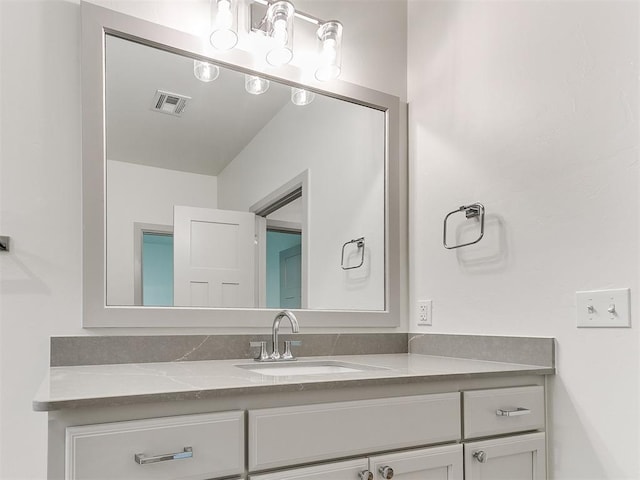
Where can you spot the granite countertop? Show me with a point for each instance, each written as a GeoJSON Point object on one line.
{"type": "Point", "coordinates": [126, 384]}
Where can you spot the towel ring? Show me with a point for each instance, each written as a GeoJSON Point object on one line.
{"type": "Point", "coordinates": [474, 210]}
{"type": "Point", "coordinates": [360, 244]}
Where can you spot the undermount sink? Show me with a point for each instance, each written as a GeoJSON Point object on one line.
{"type": "Point", "coordinates": [276, 369]}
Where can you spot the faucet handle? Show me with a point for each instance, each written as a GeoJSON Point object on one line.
{"type": "Point", "coordinates": [287, 355]}
{"type": "Point", "coordinates": [263, 350]}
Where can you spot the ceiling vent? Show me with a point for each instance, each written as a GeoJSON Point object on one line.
{"type": "Point", "coordinates": [171, 103]}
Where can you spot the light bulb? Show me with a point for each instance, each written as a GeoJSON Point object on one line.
{"type": "Point", "coordinates": [280, 31]}
{"type": "Point", "coordinates": [301, 97]}
{"type": "Point", "coordinates": [224, 36]}
{"type": "Point", "coordinates": [329, 51]}
{"type": "Point", "coordinates": [205, 71]}
{"type": "Point", "coordinates": [329, 46]}
{"type": "Point", "coordinates": [280, 21]}
{"type": "Point", "coordinates": [255, 85]}
{"type": "Point", "coordinates": [224, 17]}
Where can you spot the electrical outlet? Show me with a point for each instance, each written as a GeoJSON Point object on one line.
{"type": "Point", "coordinates": [424, 313]}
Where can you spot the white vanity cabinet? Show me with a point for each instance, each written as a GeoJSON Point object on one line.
{"type": "Point", "coordinates": [494, 412]}
{"type": "Point", "coordinates": [453, 429]}
{"type": "Point", "coordinates": [435, 463]}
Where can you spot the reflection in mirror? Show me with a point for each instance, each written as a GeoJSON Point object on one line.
{"type": "Point", "coordinates": [217, 197]}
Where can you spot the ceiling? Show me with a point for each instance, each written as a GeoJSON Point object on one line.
{"type": "Point", "coordinates": [219, 120]}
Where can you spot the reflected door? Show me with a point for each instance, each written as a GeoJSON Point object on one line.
{"type": "Point", "coordinates": [291, 277]}
{"type": "Point", "coordinates": [283, 268]}
{"type": "Point", "coordinates": [214, 258]}
{"type": "Point", "coordinates": [157, 269]}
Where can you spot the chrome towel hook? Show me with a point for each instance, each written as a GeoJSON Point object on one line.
{"type": "Point", "coordinates": [474, 210]}
{"type": "Point", "coordinates": [360, 244]}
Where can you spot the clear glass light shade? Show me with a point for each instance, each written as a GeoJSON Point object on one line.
{"type": "Point", "coordinates": [204, 71]}
{"type": "Point", "coordinates": [280, 31]}
{"type": "Point", "coordinates": [225, 25]}
{"type": "Point", "coordinates": [301, 97]}
{"type": "Point", "coordinates": [255, 85]}
{"type": "Point", "coordinates": [329, 51]}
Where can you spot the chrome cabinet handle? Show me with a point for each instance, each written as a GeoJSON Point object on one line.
{"type": "Point", "coordinates": [512, 412]}
{"type": "Point", "coordinates": [141, 459]}
{"type": "Point", "coordinates": [480, 455]}
{"type": "Point", "coordinates": [365, 475]}
{"type": "Point", "coordinates": [386, 472]}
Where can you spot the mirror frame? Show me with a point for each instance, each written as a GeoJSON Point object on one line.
{"type": "Point", "coordinates": [96, 23]}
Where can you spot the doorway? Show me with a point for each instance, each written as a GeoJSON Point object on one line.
{"type": "Point", "coordinates": [153, 264]}
{"type": "Point", "coordinates": [281, 232]}
{"type": "Point", "coordinates": [284, 269]}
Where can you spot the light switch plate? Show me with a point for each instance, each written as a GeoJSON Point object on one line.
{"type": "Point", "coordinates": [603, 308]}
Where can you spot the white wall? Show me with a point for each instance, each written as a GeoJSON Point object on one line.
{"type": "Point", "coordinates": [139, 193]}
{"type": "Point", "coordinates": [335, 142]}
{"type": "Point", "coordinates": [532, 108]}
{"type": "Point", "coordinates": [40, 180]}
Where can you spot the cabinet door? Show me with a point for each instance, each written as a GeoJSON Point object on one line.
{"type": "Point", "coordinates": [349, 470]}
{"type": "Point", "coordinates": [436, 463]}
{"type": "Point", "coordinates": [518, 457]}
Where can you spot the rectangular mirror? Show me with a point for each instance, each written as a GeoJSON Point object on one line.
{"type": "Point", "coordinates": [206, 204]}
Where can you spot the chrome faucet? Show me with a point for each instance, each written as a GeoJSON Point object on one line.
{"type": "Point", "coordinates": [295, 328]}
{"type": "Point", "coordinates": [275, 353]}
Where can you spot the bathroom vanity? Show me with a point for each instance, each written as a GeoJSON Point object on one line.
{"type": "Point", "coordinates": [402, 416]}
{"type": "Point", "coordinates": [416, 415]}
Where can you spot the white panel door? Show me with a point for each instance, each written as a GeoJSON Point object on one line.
{"type": "Point", "coordinates": [214, 257]}
{"type": "Point", "coordinates": [518, 457]}
{"type": "Point", "coordinates": [436, 463]}
{"type": "Point", "coordinates": [349, 470]}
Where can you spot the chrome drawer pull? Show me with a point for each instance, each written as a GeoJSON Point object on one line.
{"type": "Point", "coordinates": [512, 412]}
{"type": "Point", "coordinates": [142, 460]}
{"type": "Point", "coordinates": [481, 456]}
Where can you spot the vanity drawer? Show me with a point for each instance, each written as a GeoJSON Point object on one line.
{"type": "Point", "coordinates": [503, 410]}
{"type": "Point", "coordinates": [206, 446]}
{"type": "Point", "coordinates": [302, 434]}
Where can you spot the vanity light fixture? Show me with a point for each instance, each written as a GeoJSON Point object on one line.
{"type": "Point", "coordinates": [225, 25]}
{"type": "Point", "coordinates": [205, 71]}
{"type": "Point", "coordinates": [329, 50]}
{"type": "Point", "coordinates": [280, 31]}
{"type": "Point", "coordinates": [274, 22]}
{"type": "Point", "coordinates": [255, 85]}
{"type": "Point", "coordinates": [301, 97]}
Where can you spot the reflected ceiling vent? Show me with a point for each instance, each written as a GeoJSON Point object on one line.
{"type": "Point", "coordinates": [171, 103]}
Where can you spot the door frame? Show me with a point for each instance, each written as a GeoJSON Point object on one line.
{"type": "Point", "coordinates": [276, 197]}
